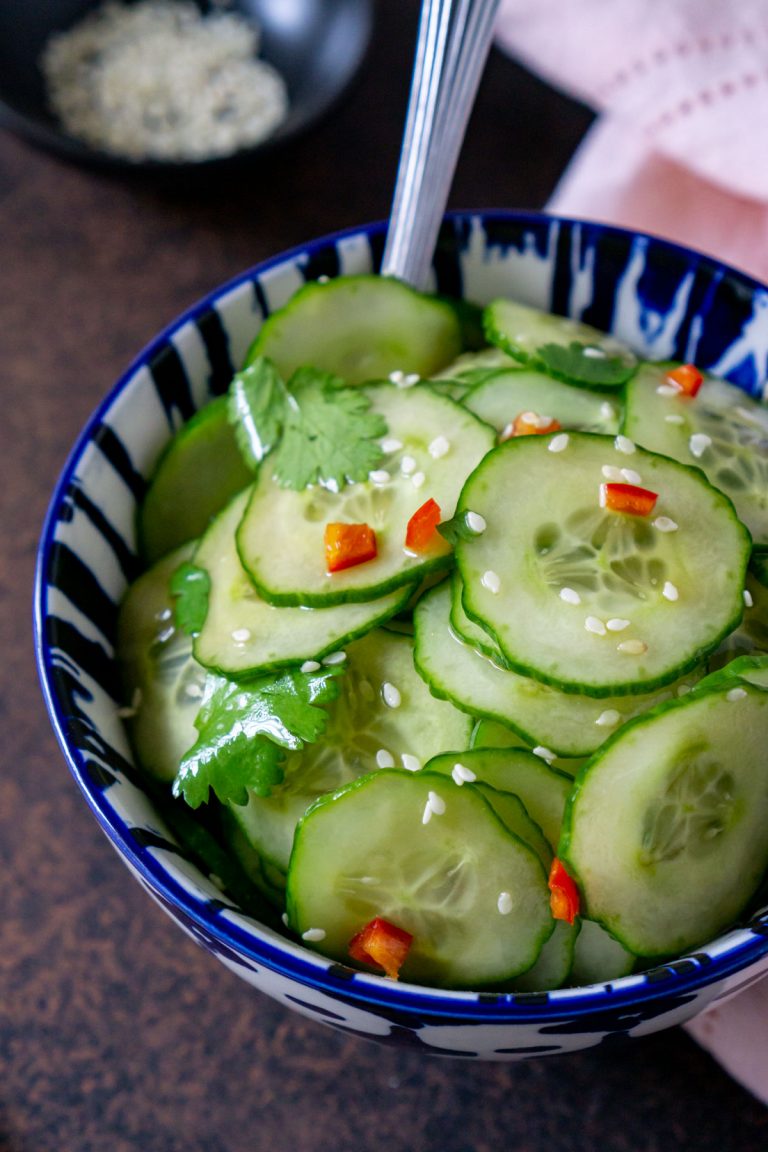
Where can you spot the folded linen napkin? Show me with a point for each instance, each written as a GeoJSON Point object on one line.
{"type": "Point", "coordinates": [679, 149]}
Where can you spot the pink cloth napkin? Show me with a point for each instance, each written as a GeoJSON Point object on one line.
{"type": "Point", "coordinates": [680, 149]}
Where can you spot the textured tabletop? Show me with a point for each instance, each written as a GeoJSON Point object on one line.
{"type": "Point", "coordinates": [116, 1031]}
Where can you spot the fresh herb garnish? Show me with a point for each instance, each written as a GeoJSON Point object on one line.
{"type": "Point", "coordinates": [456, 529]}
{"type": "Point", "coordinates": [586, 364]}
{"type": "Point", "coordinates": [245, 729]}
{"type": "Point", "coordinates": [190, 586]}
{"type": "Point", "coordinates": [316, 429]}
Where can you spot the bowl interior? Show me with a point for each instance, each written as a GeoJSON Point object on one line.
{"type": "Point", "coordinates": [665, 301]}
{"type": "Point", "coordinates": [317, 46]}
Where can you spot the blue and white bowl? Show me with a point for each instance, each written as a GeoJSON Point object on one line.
{"type": "Point", "coordinates": [667, 302]}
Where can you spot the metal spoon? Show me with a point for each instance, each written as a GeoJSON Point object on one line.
{"type": "Point", "coordinates": [453, 43]}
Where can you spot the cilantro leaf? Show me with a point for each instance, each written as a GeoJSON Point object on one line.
{"type": "Point", "coordinates": [190, 587]}
{"type": "Point", "coordinates": [578, 364]}
{"type": "Point", "coordinates": [257, 404]}
{"type": "Point", "coordinates": [244, 730]}
{"type": "Point", "coordinates": [329, 435]}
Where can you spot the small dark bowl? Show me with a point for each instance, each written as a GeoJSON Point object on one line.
{"type": "Point", "coordinates": [317, 45]}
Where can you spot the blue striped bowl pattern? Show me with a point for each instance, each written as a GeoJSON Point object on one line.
{"type": "Point", "coordinates": [667, 302]}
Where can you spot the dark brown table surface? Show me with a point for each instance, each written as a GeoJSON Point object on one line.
{"type": "Point", "coordinates": [116, 1031]}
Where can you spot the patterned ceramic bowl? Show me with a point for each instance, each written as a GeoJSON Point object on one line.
{"type": "Point", "coordinates": [665, 301]}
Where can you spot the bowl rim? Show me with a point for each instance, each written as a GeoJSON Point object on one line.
{"type": "Point", "coordinates": [257, 945]}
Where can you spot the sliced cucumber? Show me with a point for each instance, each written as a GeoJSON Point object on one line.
{"type": "Point", "coordinates": [163, 684]}
{"type": "Point", "coordinates": [720, 429]}
{"type": "Point", "coordinates": [363, 733]}
{"type": "Point", "coordinates": [501, 396]}
{"type": "Point", "coordinates": [472, 367]}
{"type": "Point", "coordinates": [588, 599]}
{"type": "Point", "coordinates": [666, 830]}
{"type": "Point", "coordinates": [244, 636]}
{"type": "Point", "coordinates": [280, 539]}
{"type": "Point", "coordinates": [513, 813]}
{"type": "Point", "coordinates": [269, 879]}
{"type": "Point", "coordinates": [199, 471]}
{"type": "Point", "coordinates": [360, 328]}
{"type": "Point", "coordinates": [562, 724]}
{"type": "Point", "coordinates": [471, 894]}
{"type": "Point", "coordinates": [555, 963]}
{"type": "Point", "coordinates": [542, 789]}
{"type": "Point", "coordinates": [599, 957]}
{"type": "Point", "coordinates": [752, 633]}
{"type": "Point", "coordinates": [567, 349]}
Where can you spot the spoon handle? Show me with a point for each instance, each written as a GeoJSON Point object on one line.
{"type": "Point", "coordinates": [453, 43]}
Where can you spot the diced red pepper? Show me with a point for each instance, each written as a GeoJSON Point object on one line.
{"type": "Point", "coordinates": [422, 526]}
{"type": "Point", "coordinates": [627, 498]}
{"type": "Point", "coordinates": [563, 893]}
{"type": "Point", "coordinates": [347, 545]}
{"type": "Point", "coordinates": [382, 944]}
{"type": "Point", "coordinates": [686, 378]}
{"type": "Point", "coordinates": [529, 424]}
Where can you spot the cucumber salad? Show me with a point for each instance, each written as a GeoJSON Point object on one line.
{"type": "Point", "coordinates": [450, 651]}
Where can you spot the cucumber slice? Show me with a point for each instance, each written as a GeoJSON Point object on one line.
{"type": "Point", "coordinates": [280, 539]}
{"type": "Point", "coordinates": [721, 430]}
{"type": "Point", "coordinates": [587, 599]}
{"type": "Point", "coordinates": [473, 896]}
{"type": "Point", "coordinates": [269, 879]}
{"type": "Point", "coordinates": [561, 724]}
{"type": "Point", "coordinates": [542, 789]}
{"type": "Point", "coordinates": [363, 733]}
{"type": "Point", "coordinates": [752, 633]}
{"type": "Point", "coordinates": [360, 328]}
{"type": "Point", "coordinates": [472, 367]}
{"type": "Point", "coordinates": [197, 474]}
{"type": "Point", "coordinates": [666, 831]}
{"type": "Point", "coordinates": [598, 956]}
{"type": "Point", "coordinates": [502, 396]}
{"type": "Point", "coordinates": [163, 684]}
{"type": "Point", "coordinates": [555, 963]}
{"type": "Point", "coordinates": [566, 349]}
{"type": "Point", "coordinates": [514, 815]}
{"type": "Point", "coordinates": [245, 636]}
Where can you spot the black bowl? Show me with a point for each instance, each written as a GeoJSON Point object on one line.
{"type": "Point", "coordinates": [317, 46]}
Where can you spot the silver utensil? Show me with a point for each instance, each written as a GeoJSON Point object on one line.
{"type": "Point", "coordinates": [452, 47]}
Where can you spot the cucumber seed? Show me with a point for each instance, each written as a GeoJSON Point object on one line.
{"type": "Point", "coordinates": [608, 719]}
{"type": "Point", "coordinates": [632, 647]}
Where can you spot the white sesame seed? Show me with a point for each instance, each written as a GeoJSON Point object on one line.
{"type": "Point", "coordinates": [426, 815]}
{"type": "Point", "coordinates": [608, 719]}
{"type": "Point", "coordinates": [379, 476]}
{"type": "Point", "coordinates": [559, 443]}
{"type": "Point", "coordinates": [439, 447]}
{"type": "Point", "coordinates": [397, 376]}
{"type": "Point", "coordinates": [370, 880]}
{"type": "Point", "coordinates": [491, 581]}
{"type": "Point", "coordinates": [625, 445]}
{"type": "Point", "coordinates": [241, 635]}
{"type": "Point", "coordinates": [748, 598]}
{"type": "Point", "coordinates": [335, 658]}
{"type": "Point", "coordinates": [632, 647]}
{"type": "Point", "coordinates": [611, 472]}
{"type": "Point", "coordinates": [310, 666]}
{"type": "Point", "coordinates": [631, 476]}
{"type": "Point", "coordinates": [607, 411]}
{"type": "Point", "coordinates": [617, 624]}
{"type": "Point", "coordinates": [407, 465]}
{"type": "Point", "coordinates": [409, 762]}
{"type": "Point", "coordinates": [595, 625]}
{"type": "Point", "coordinates": [389, 445]}
{"type": "Point", "coordinates": [385, 759]}
{"type": "Point", "coordinates": [165, 635]}
{"type": "Point", "coordinates": [735, 694]}
{"type": "Point", "coordinates": [418, 479]}
{"type": "Point", "coordinates": [544, 753]}
{"type": "Point", "coordinates": [463, 775]}
{"type": "Point", "coordinates": [313, 935]}
{"type": "Point", "coordinates": [664, 524]}
{"type": "Point", "coordinates": [594, 353]}
{"type": "Point", "coordinates": [504, 903]}
{"type": "Point", "coordinates": [126, 712]}
{"type": "Point", "coordinates": [699, 443]}
{"type": "Point", "coordinates": [570, 595]}
{"type": "Point", "coordinates": [164, 614]}
{"type": "Point", "coordinates": [285, 919]}
{"type": "Point", "coordinates": [674, 418]}
{"type": "Point", "coordinates": [603, 495]}
{"type": "Point", "coordinates": [411, 379]}
{"type": "Point", "coordinates": [436, 803]}
{"type": "Point", "coordinates": [669, 591]}
{"type": "Point", "coordinates": [390, 695]}
{"type": "Point", "coordinates": [323, 279]}
{"type": "Point", "coordinates": [475, 522]}
{"type": "Point", "coordinates": [668, 390]}
{"type": "Point", "coordinates": [193, 691]}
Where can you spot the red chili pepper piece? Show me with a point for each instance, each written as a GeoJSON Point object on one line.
{"type": "Point", "coordinates": [347, 545]}
{"type": "Point", "coordinates": [382, 944]}
{"type": "Point", "coordinates": [529, 424]}
{"type": "Point", "coordinates": [627, 498]}
{"type": "Point", "coordinates": [563, 893]}
{"type": "Point", "coordinates": [420, 532]}
{"type": "Point", "coordinates": [686, 378]}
